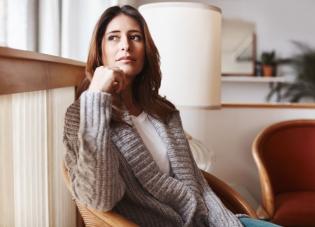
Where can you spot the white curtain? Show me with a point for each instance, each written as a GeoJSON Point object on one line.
{"type": "Point", "coordinates": [6, 163]}
{"type": "Point", "coordinates": [2, 22]}
{"type": "Point", "coordinates": [32, 192]}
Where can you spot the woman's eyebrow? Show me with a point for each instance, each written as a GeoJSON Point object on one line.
{"type": "Point", "coordinates": [114, 31]}
{"type": "Point", "coordinates": [129, 31]}
{"type": "Point", "coordinates": [135, 31]}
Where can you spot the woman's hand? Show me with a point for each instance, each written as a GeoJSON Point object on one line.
{"type": "Point", "coordinates": [110, 80]}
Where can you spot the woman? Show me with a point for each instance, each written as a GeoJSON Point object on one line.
{"type": "Point", "coordinates": [126, 149]}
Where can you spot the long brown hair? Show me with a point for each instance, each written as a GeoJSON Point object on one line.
{"type": "Point", "coordinates": [145, 86]}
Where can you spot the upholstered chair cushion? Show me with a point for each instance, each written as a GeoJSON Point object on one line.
{"type": "Point", "coordinates": [295, 209]}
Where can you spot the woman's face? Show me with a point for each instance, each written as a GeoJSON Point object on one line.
{"type": "Point", "coordinates": [123, 46]}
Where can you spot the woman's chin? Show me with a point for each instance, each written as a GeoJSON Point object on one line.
{"type": "Point", "coordinates": [129, 71]}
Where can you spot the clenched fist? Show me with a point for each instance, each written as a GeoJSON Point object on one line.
{"type": "Point", "coordinates": [110, 80]}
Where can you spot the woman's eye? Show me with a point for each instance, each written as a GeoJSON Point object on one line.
{"type": "Point", "coordinates": [135, 37]}
{"type": "Point", "coordinates": [113, 38]}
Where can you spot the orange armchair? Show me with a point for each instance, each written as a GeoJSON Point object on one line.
{"type": "Point", "coordinates": [285, 155]}
{"type": "Point", "coordinates": [94, 218]}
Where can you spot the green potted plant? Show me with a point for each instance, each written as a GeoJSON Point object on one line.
{"type": "Point", "coordinates": [268, 61]}
{"type": "Point", "coordinates": [304, 84]}
{"type": "Point", "coordinates": [304, 67]}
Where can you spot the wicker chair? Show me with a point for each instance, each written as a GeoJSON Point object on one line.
{"type": "Point", "coordinates": [93, 218]}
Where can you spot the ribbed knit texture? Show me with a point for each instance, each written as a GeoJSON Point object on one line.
{"type": "Point", "coordinates": [110, 168]}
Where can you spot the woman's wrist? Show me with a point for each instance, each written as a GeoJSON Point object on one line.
{"type": "Point", "coordinates": [94, 89]}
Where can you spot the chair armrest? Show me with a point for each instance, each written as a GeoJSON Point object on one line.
{"type": "Point", "coordinates": [230, 198]}
{"type": "Point", "coordinates": [94, 217]}
{"type": "Point", "coordinates": [111, 218]}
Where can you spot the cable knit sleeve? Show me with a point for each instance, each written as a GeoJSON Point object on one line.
{"type": "Point", "coordinates": [92, 164]}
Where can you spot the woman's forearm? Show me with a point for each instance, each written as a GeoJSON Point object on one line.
{"type": "Point", "coordinates": [95, 176]}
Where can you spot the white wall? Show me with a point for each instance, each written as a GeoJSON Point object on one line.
{"type": "Point", "coordinates": [229, 133]}
{"type": "Point", "coordinates": [244, 92]}
{"type": "Point", "coordinates": [277, 22]}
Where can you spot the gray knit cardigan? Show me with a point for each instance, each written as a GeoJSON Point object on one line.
{"type": "Point", "coordinates": [111, 169]}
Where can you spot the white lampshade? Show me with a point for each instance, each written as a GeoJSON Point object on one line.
{"type": "Point", "coordinates": [188, 37]}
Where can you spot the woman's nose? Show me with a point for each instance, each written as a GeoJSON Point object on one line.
{"type": "Point", "coordinates": [124, 44]}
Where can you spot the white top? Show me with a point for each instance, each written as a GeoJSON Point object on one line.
{"type": "Point", "coordinates": [152, 141]}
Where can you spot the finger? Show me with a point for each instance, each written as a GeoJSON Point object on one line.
{"type": "Point", "coordinates": [121, 78]}
{"type": "Point", "coordinates": [118, 83]}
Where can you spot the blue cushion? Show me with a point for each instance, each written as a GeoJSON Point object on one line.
{"type": "Point", "coordinates": [250, 222]}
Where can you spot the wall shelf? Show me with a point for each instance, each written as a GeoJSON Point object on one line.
{"type": "Point", "coordinates": [257, 79]}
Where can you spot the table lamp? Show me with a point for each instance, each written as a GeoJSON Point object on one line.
{"type": "Point", "coordinates": [188, 37]}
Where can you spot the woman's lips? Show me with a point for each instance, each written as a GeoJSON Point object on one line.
{"type": "Point", "coordinates": [126, 59]}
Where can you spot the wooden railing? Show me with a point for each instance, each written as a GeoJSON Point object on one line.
{"type": "Point", "coordinates": [23, 71]}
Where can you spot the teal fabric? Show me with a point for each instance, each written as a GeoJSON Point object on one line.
{"type": "Point", "coordinates": [250, 222]}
